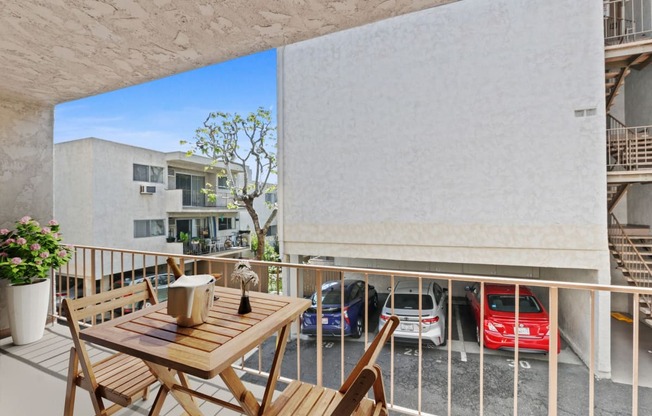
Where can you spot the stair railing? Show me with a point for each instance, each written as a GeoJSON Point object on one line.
{"type": "Point", "coordinates": [628, 148]}
{"type": "Point", "coordinates": [632, 260]}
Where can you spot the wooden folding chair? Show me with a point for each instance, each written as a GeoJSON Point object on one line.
{"type": "Point", "coordinates": [307, 399]}
{"type": "Point", "coordinates": [120, 378]}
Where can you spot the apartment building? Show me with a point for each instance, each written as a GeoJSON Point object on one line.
{"type": "Point", "coordinates": [469, 138]}
{"type": "Point", "coordinates": [115, 195]}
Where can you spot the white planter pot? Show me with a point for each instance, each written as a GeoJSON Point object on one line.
{"type": "Point", "coordinates": [28, 308]}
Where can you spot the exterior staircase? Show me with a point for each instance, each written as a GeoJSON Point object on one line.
{"type": "Point", "coordinates": [631, 247]}
{"type": "Point", "coordinates": [628, 47]}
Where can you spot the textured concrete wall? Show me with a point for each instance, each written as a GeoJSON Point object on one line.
{"type": "Point", "coordinates": [26, 172]}
{"type": "Point", "coordinates": [55, 51]}
{"type": "Point", "coordinates": [26, 179]}
{"type": "Point", "coordinates": [449, 135]}
{"type": "Point", "coordinates": [638, 100]}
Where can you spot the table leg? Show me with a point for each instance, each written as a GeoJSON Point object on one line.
{"type": "Point", "coordinates": [242, 395]}
{"type": "Point", "coordinates": [281, 342]}
{"type": "Point", "coordinates": [166, 377]}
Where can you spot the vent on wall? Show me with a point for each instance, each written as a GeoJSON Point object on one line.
{"type": "Point", "coordinates": [171, 172]}
{"type": "Point", "coordinates": [147, 190]}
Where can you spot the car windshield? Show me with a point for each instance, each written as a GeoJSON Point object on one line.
{"type": "Point", "coordinates": [330, 296]}
{"type": "Point", "coordinates": [410, 301]}
{"type": "Point", "coordinates": [505, 303]}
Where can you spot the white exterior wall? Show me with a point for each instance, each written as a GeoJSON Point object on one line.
{"type": "Point", "coordinates": [101, 197]}
{"type": "Point", "coordinates": [99, 200]}
{"type": "Point", "coordinates": [448, 135]}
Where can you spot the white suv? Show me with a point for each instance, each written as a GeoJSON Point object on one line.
{"type": "Point", "coordinates": [406, 308]}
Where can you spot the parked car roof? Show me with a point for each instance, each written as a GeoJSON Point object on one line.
{"type": "Point", "coordinates": [498, 289]}
{"type": "Point", "coordinates": [408, 286]}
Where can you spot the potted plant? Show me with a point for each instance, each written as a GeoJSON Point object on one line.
{"type": "Point", "coordinates": [244, 275]}
{"type": "Point", "coordinates": [27, 255]}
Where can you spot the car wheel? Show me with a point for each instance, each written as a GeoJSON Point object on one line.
{"type": "Point", "coordinates": [358, 328]}
{"type": "Point", "coordinates": [374, 302]}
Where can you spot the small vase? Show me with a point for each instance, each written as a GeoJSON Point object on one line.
{"type": "Point", "coordinates": [245, 306]}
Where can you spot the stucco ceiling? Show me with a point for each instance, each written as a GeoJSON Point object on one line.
{"type": "Point", "coordinates": [53, 51]}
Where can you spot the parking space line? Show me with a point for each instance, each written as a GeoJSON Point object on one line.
{"type": "Point", "coordinates": [460, 335]}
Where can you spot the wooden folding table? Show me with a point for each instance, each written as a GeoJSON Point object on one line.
{"type": "Point", "coordinates": [206, 350]}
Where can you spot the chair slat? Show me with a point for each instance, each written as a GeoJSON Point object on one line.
{"type": "Point", "coordinates": [307, 399]}
{"type": "Point", "coordinates": [119, 378]}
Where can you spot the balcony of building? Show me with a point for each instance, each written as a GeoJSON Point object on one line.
{"type": "Point", "coordinates": [457, 377]}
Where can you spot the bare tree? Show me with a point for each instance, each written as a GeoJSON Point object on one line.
{"type": "Point", "coordinates": [241, 142]}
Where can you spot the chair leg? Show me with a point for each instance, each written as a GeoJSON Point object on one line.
{"type": "Point", "coordinates": [71, 387]}
{"type": "Point", "coordinates": [146, 393]}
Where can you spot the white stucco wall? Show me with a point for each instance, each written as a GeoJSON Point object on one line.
{"type": "Point", "coordinates": [448, 135]}
{"type": "Point", "coordinates": [26, 179]}
{"type": "Point", "coordinates": [25, 162]}
{"type": "Point", "coordinates": [99, 200]}
{"type": "Point", "coordinates": [638, 100]}
{"type": "Point", "coordinates": [108, 200]}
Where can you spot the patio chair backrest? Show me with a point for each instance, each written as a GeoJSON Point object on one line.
{"type": "Point", "coordinates": [88, 308]}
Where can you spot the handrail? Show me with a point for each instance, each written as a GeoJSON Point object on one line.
{"type": "Point", "coordinates": [626, 21]}
{"type": "Point", "coordinates": [396, 273]}
{"type": "Point", "coordinates": [629, 148]}
{"type": "Point", "coordinates": [632, 247]}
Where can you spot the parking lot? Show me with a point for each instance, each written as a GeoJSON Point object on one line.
{"type": "Point", "coordinates": [573, 376]}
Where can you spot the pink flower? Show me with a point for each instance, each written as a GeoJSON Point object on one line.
{"type": "Point", "coordinates": [21, 241]}
{"type": "Point", "coordinates": [56, 235]}
{"type": "Point", "coordinates": [63, 253]}
{"type": "Point", "coordinates": [10, 240]}
{"type": "Point", "coordinates": [4, 231]}
{"type": "Point", "coordinates": [38, 261]}
{"type": "Point", "coordinates": [25, 219]}
{"type": "Point", "coordinates": [16, 260]}
{"type": "Point", "coordinates": [45, 230]}
{"type": "Point", "coordinates": [35, 247]}
{"type": "Point", "coordinates": [44, 255]}
{"type": "Point", "coordinates": [3, 254]}
{"type": "Point", "coordinates": [53, 223]}
{"type": "Point", "coordinates": [70, 247]}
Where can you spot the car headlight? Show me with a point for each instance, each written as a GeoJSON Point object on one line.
{"type": "Point", "coordinates": [491, 326]}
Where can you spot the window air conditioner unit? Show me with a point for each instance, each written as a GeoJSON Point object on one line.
{"type": "Point", "coordinates": [147, 190]}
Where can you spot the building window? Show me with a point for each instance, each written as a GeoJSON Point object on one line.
{"type": "Point", "coordinates": [271, 198]}
{"type": "Point", "coordinates": [148, 228]}
{"type": "Point", "coordinates": [222, 183]}
{"type": "Point", "coordinates": [145, 173]}
{"type": "Point", "coordinates": [225, 223]}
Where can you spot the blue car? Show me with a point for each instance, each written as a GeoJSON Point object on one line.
{"type": "Point", "coordinates": [331, 319]}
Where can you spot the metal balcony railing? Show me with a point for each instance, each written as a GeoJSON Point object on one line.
{"type": "Point", "coordinates": [96, 269]}
{"type": "Point", "coordinates": [627, 21]}
{"type": "Point", "coordinates": [628, 148]}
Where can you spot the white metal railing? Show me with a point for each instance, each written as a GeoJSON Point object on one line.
{"type": "Point", "coordinates": [100, 268]}
{"type": "Point", "coordinates": [627, 21]}
{"type": "Point", "coordinates": [629, 148]}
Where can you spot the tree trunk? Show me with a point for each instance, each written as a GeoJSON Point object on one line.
{"type": "Point", "coordinates": [260, 250]}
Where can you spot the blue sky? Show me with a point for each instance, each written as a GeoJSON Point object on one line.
{"type": "Point", "coordinates": [158, 114]}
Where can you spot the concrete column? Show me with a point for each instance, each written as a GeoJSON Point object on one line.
{"type": "Point", "coordinates": [26, 162]}
{"type": "Point", "coordinates": [26, 167]}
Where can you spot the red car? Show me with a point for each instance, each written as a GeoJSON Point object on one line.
{"type": "Point", "coordinates": [499, 318]}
